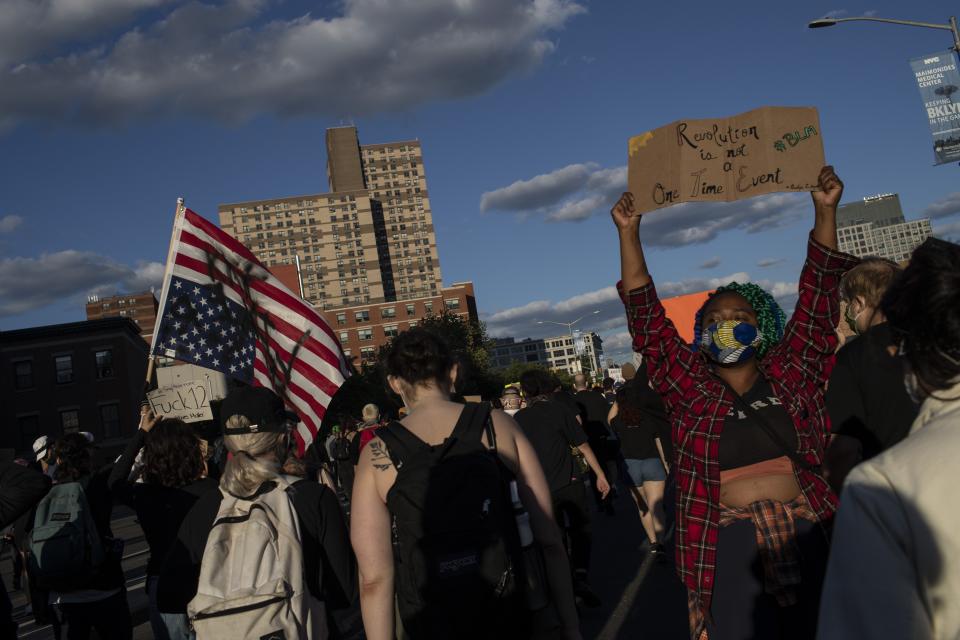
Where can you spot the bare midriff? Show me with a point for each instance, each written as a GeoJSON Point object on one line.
{"type": "Point", "coordinates": [767, 480]}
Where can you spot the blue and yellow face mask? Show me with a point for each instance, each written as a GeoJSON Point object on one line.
{"type": "Point", "coordinates": [730, 341]}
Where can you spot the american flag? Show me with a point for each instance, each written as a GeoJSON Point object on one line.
{"type": "Point", "coordinates": [222, 309]}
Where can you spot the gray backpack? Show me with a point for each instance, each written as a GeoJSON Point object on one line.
{"type": "Point", "coordinates": [64, 546]}
{"type": "Point", "coordinates": [252, 575]}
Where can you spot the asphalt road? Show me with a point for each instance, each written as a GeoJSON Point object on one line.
{"type": "Point", "coordinates": [641, 596]}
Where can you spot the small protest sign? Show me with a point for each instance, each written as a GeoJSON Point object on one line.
{"type": "Point", "coordinates": [939, 82]}
{"type": "Point", "coordinates": [761, 151]}
{"type": "Point", "coordinates": [189, 401]}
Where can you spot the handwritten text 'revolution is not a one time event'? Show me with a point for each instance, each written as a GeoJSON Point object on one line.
{"type": "Point", "coordinates": [761, 151]}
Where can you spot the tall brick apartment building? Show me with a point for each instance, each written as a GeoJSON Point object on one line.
{"type": "Point", "coordinates": [365, 253]}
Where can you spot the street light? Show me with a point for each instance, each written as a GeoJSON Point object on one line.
{"type": "Point", "coordinates": [569, 326]}
{"type": "Point", "coordinates": [951, 26]}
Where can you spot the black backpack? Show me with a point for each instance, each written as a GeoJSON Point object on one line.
{"type": "Point", "coordinates": [340, 448]}
{"type": "Point", "coordinates": [456, 543]}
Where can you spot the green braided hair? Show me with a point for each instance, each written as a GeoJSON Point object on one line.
{"type": "Point", "coordinates": [770, 317]}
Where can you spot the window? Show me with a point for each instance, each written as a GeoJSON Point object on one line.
{"type": "Point", "coordinates": [428, 307]}
{"type": "Point", "coordinates": [104, 363]}
{"type": "Point", "coordinates": [110, 420]}
{"type": "Point", "coordinates": [391, 331]}
{"type": "Point", "coordinates": [70, 421]}
{"type": "Point", "coordinates": [23, 374]}
{"type": "Point", "coordinates": [362, 316]}
{"type": "Point", "coordinates": [410, 309]}
{"type": "Point", "coordinates": [28, 426]}
{"type": "Point", "coordinates": [365, 334]}
{"type": "Point", "coordinates": [453, 303]}
{"type": "Point", "coordinates": [341, 318]}
{"type": "Point", "coordinates": [367, 353]}
{"type": "Point", "coordinates": [344, 336]}
{"type": "Point", "coordinates": [389, 313]}
{"type": "Point", "coordinates": [64, 366]}
{"type": "Point", "coordinates": [532, 357]}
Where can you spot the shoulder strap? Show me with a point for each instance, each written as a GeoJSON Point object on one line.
{"type": "Point", "coordinates": [400, 442]}
{"type": "Point", "coordinates": [789, 451]}
{"type": "Point", "coordinates": [472, 422]}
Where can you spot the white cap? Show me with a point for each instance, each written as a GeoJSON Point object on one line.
{"type": "Point", "coordinates": [40, 447]}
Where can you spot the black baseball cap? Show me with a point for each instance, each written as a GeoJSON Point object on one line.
{"type": "Point", "coordinates": [261, 406]}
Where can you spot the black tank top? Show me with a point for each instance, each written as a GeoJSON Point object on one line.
{"type": "Point", "coordinates": [743, 441]}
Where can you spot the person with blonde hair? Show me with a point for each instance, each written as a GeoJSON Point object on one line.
{"type": "Point", "coordinates": [257, 434]}
{"type": "Point", "coordinates": [869, 409]}
{"type": "Point", "coordinates": [371, 414]}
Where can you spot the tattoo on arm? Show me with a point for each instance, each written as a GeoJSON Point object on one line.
{"type": "Point", "coordinates": [381, 461]}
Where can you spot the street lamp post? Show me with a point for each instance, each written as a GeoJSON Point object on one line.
{"type": "Point", "coordinates": [950, 26]}
{"type": "Point", "coordinates": [569, 326]}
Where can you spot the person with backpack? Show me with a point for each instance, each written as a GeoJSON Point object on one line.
{"type": "Point", "coordinates": [172, 479]}
{"type": "Point", "coordinates": [20, 489]}
{"type": "Point", "coordinates": [462, 493]}
{"type": "Point", "coordinates": [266, 556]}
{"type": "Point", "coordinates": [71, 553]}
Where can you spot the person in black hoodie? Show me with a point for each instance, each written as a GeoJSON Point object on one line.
{"type": "Point", "coordinates": [100, 601]}
{"type": "Point", "coordinates": [173, 478]}
{"type": "Point", "coordinates": [20, 489]}
{"type": "Point", "coordinates": [256, 455]}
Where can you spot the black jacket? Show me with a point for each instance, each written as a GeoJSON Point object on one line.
{"type": "Point", "coordinates": [331, 569]}
{"type": "Point", "coordinates": [160, 510]}
{"type": "Point", "coordinates": [21, 488]}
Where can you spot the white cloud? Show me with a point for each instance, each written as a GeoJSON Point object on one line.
{"type": "Point", "coordinates": [948, 231]}
{"type": "Point", "coordinates": [540, 191]}
{"type": "Point", "coordinates": [836, 13]}
{"type": "Point", "coordinates": [228, 61]}
{"type": "Point", "coordinates": [700, 222]}
{"type": "Point", "coordinates": [945, 206]}
{"type": "Point", "coordinates": [578, 191]}
{"type": "Point", "coordinates": [10, 222]}
{"type": "Point", "coordinates": [712, 263]}
{"type": "Point", "coordinates": [617, 343]}
{"type": "Point", "coordinates": [569, 194]}
{"type": "Point", "coordinates": [531, 308]}
{"type": "Point", "coordinates": [763, 263]}
{"type": "Point", "coordinates": [32, 283]}
{"type": "Point", "coordinates": [34, 27]}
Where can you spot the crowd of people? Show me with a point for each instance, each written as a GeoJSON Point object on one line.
{"type": "Point", "coordinates": [800, 489]}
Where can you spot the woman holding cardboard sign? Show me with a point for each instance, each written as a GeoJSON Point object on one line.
{"type": "Point", "coordinates": [749, 429]}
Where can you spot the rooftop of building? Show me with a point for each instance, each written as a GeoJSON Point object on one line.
{"type": "Point", "coordinates": [91, 299]}
{"type": "Point", "coordinates": [71, 328]}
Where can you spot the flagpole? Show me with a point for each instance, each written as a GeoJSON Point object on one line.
{"type": "Point", "coordinates": [168, 268]}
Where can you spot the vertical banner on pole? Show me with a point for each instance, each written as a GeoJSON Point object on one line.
{"type": "Point", "coordinates": [939, 82]}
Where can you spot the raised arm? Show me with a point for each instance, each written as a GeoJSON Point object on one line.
{"type": "Point", "coordinates": [633, 265]}
{"type": "Point", "coordinates": [672, 365]}
{"type": "Point", "coordinates": [810, 336]}
{"type": "Point", "coordinates": [121, 486]}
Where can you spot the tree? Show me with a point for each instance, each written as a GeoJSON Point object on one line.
{"type": "Point", "coordinates": [468, 341]}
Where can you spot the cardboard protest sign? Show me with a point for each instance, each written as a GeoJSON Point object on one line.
{"type": "Point", "coordinates": [189, 401]}
{"type": "Point", "coordinates": [761, 151]}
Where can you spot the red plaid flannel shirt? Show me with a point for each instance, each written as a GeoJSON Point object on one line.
{"type": "Point", "coordinates": [698, 403]}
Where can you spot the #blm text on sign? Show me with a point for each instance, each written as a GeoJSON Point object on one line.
{"type": "Point", "coordinates": [189, 401]}
{"type": "Point", "coordinates": [761, 151]}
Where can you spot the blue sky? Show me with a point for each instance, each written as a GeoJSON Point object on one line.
{"type": "Point", "coordinates": [113, 108]}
